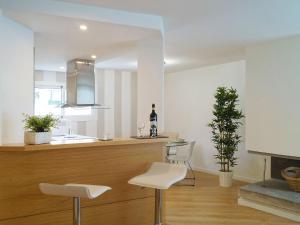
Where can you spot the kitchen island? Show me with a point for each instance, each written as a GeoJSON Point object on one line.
{"type": "Point", "coordinates": [88, 161]}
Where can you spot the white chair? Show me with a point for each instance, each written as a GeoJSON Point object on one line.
{"type": "Point", "coordinates": [76, 191]}
{"type": "Point", "coordinates": [160, 176]}
{"type": "Point", "coordinates": [184, 155]}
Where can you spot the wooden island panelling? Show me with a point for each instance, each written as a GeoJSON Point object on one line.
{"type": "Point", "coordinates": [110, 163]}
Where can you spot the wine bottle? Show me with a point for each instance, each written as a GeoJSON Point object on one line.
{"type": "Point", "coordinates": [153, 122]}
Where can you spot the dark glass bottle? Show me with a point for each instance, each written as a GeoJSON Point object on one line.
{"type": "Point", "coordinates": [153, 122]}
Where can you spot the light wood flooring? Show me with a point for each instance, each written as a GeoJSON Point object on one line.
{"type": "Point", "coordinates": [209, 204]}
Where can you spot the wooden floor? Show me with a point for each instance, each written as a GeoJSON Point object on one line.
{"type": "Point", "coordinates": [209, 204]}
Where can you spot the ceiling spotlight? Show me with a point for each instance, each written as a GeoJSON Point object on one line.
{"type": "Point", "coordinates": [83, 27]}
{"type": "Point", "coordinates": [61, 67]}
{"type": "Point", "coordinates": [93, 56]}
{"type": "Point", "coordinates": [168, 61]}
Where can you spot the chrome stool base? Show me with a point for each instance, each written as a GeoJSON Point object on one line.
{"type": "Point", "coordinates": [158, 207]}
{"type": "Point", "coordinates": [76, 211]}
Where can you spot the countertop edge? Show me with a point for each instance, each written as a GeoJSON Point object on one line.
{"type": "Point", "coordinates": [78, 144]}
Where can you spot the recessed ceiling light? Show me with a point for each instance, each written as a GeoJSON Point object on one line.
{"type": "Point", "coordinates": [169, 61]}
{"type": "Point", "coordinates": [83, 27]}
{"type": "Point", "coordinates": [61, 67]}
{"type": "Point", "coordinates": [93, 56]}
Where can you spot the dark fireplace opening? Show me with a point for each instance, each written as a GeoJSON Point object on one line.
{"type": "Point", "coordinates": [278, 164]}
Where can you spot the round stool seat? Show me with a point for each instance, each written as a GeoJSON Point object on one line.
{"type": "Point", "coordinates": [74, 190]}
{"type": "Point", "coordinates": [160, 176]}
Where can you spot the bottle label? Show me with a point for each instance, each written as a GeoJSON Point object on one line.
{"type": "Point", "coordinates": [153, 128]}
{"type": "Point", "coordinates": [153, 123]}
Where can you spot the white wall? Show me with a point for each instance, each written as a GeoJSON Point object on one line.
{"type": "Point", "coordinates": [117, 90]}
{"type": "Point", "coordinates": [189, 99]}
{"type": "Point", "coordinates": [273, 97]}
{"type": "Point", "coordinates": [16, 78]}
{"type": "Point", "coordinates": [49, 78]}
{"type": "Point", "coordinates": [150, 81]}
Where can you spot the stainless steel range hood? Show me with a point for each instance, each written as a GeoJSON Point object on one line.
{"type": "Point", "coordinates": [81, 84]}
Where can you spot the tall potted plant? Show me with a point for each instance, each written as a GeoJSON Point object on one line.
{"type": "Point", "coordinates": [225, 124]}
{"type": "Point", "coordinates": [38, 128]}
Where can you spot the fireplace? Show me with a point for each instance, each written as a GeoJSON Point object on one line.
{"type": "Point", "coordinates": [274, 195]}
{"type": "Point", "coordinates": [279, 163]}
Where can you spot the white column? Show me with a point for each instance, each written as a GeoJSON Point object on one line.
{"type": "Point", "coordinates": [126, 104]}
{"type": "Point", "coordinates": [150, 81]}
{"type": "Point", "coordinates": [133, 98]}
{"type": "Point", "coordinates": [16, 78]}
{"type": "Point", "coordinates": [118, 103]}
{"type": "Point", "coordinates": [99, 97]}
{"type": "Point", "coordinates": [109, 100]}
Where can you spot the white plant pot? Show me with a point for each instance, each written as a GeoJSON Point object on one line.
{"type": "Point", "coordinates": [225, 178]}
{"type": "Point", "coordinates": [35, 138]}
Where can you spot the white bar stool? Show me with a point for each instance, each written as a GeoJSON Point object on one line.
{"type": "Point", "coordinates": [160, 176]}
{"type": "Point", "coordinates": [76, 191]}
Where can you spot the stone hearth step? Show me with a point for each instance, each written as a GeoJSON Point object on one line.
{"type": "Point", "coordinates": [275, 197]}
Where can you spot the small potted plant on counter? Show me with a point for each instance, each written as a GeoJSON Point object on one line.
{"type": "Point", "coordinates": [225, 125]}
{"type": "Point", "coordinates": [38, 128]}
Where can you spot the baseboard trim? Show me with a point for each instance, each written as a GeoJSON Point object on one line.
{"type": "Point", "coordinates": [235, 177]}
{"type": "Point", "coordinates": [269, 209]}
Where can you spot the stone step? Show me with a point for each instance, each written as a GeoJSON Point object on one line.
{"type": "Point", "coordinates": [275, 197]}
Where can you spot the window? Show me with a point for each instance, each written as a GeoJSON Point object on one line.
{"type": "Point", "coordinates": [48, 100]}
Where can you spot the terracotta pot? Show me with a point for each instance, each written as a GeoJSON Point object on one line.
{"type": "Point", "coordinates": [35, 138]}
{"type": "Point", "coordinates": [225, 178]}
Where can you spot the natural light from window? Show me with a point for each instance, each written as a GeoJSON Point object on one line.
{"type": "Point", "coordinates": [49, 100]}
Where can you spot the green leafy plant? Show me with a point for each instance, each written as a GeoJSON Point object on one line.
{"type": "Point", "coordinates": [40, 123]}
{"type": "Point", "coordinates": [225, 125]}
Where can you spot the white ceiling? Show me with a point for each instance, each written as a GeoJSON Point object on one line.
{"type": "Point", "coordinates": [197, 32]}
{"type": "Point", "coordinates": [201, 32]}
{"type": "Point", "coordinates": [59, 39]}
